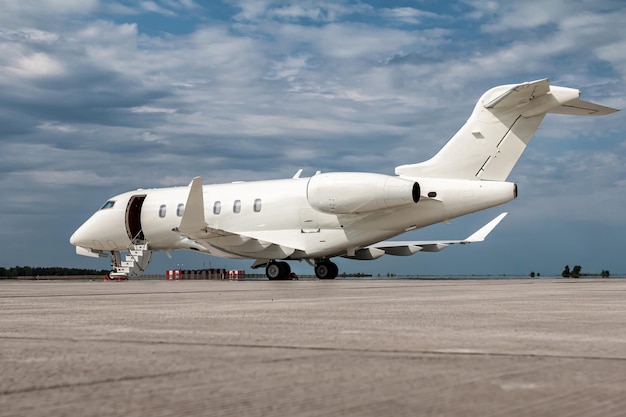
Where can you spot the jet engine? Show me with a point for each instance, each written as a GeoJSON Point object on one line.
{"type": "Point", "coordinates": [359, 192]}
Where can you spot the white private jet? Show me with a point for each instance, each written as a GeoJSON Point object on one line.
{"type": "Point", "coordinates": [347, 214]}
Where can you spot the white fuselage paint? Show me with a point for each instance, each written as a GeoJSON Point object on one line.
{"type": "Point", "coordinates": [286, 216]}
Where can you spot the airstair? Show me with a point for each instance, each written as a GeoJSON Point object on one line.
{"type": "Point", "coordinates": [134, 263]}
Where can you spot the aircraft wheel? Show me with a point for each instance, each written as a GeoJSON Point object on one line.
{"type": "Point", "coordinates": [285, 270]}
{"type": "Point", "coordinates": [277, 270]}
{"type": "Point", "coordinates": [273, 271]}
{"type": "Point", "coordinates": [326, 270]}
{"type": "Point", "coordinates": [334, 269]}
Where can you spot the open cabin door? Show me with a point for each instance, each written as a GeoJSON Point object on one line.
{"type": "Point", "coordinates": [133, 218]}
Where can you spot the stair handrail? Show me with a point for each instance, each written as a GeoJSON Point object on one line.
{"type": "Point", "coordinates": [133, 242]}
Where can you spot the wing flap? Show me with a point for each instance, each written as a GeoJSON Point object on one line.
{"type": "Point", "coordinates": [402, 250]}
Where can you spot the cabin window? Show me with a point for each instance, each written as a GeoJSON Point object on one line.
{"type": "Point", "coordinates": [109, 204]}
{"type": "Point", "coordinates": [237, 206]}
{"type": "Point", "coordinates": [217, 207]}
{"type": "Point", "coordinates": [180, 210]}
{"type": "Point", "coordinates": [162, 210]}
{"type": "Point", "coordinates": [257, 205]}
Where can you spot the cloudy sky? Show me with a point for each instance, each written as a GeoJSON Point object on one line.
{"type": "Point", "coordinates": [100, 97]}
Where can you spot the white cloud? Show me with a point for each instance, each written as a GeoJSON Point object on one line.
{"type": "Point", "coordinates": [346, 41]}
{"type": "Point", "coordinates": [28, 35]}
{"type": "Point", "coordinates": [54, 126]}
{"type": "Point", "coordinates": [522, 15]}
{"type": "Point", "coordinates": [36, 65]}
{"type": "Point", "coordinates": [613, 52]}
{"type": "Point", "coordinates": [307, 10]}
{"type": "Point", "coordinates": [149, 109]}
{"type": "Point", "coordinates": [49, 6]}
{"type": "Point", "coordinates": [407, 14]}
{"type": "Point", "coordinates": [151, 6]}
{"type": "Point", "coordinates": [66, 178]}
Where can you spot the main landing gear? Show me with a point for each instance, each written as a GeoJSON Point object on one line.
{"type": "Point", "coordinates": [277, 271]}
{"type": "Point", "coordinates": [324, 269]}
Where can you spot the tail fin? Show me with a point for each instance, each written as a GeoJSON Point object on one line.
{"type": "Point", "coordinates": [502, 124]}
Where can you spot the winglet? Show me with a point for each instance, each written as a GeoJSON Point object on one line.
{"type": "Point", "coordinates": [193, 217]}
{"type": "Point", "coordinates": [482, 233]}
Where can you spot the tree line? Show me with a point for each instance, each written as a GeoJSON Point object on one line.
{"type": "Point", "coordinates": [575, 272]}
{"type": "Point", "coordinates": [33, 271]}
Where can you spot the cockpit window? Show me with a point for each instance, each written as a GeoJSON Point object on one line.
{"type": "Point", "coordinates": [109, 204]}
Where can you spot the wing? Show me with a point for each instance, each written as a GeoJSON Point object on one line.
{"type": "Point", "coordinates": [197, 234]}
{"type": "Point", "coordinates": [406, 248]}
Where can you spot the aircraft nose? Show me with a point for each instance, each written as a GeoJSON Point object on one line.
{"type": "Point", "coordinates": [78, 237]}
{"type": "Point", "coordinates": [86, 233]}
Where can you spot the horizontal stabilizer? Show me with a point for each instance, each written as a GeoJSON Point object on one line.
{"type": "Point", "coordinates": [583, 108]}
{"type": "Point", "coordinates": [406, 248]}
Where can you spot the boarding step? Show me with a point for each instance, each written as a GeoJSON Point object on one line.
{"type": "Point", "coordinates": [135, 263]}
{"type": "Point", "coordinates": [121, 270]}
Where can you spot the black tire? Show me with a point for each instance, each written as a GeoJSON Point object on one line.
{"type": "Point", "coordinates": [273, 271]}
{"type": "Point", "coordinates": [334, 270]}
{"type": "Point", "coordinates": [285, 270]}
{"type": "Point", "coordinates": [326, 270]}
{"type": "Point", "coordinates": [277, 271]}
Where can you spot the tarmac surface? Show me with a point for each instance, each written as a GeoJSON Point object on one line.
{"type": "Point", "coordinates": [314, 348]}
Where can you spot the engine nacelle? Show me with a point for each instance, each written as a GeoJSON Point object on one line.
{"type": "Point", "coordinates": [359, 192]}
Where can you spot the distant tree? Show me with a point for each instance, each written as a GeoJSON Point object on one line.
{"type": "Point", "coordinates": [566, 273]}
{"type": "Point", "coordinates": [532, 274]}
{"type": "Point", "coordinates": [576, 271]}
{"type": "Point", "coordinates": [28, 271]}
{"type": "Point", "coordinates": [538, 274]}
{"type": "Point", "coordinates": [605, 273]}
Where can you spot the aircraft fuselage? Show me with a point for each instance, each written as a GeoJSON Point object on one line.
{"type": "Point", "coordinates": [284, 214]}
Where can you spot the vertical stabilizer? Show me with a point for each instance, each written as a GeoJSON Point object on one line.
{"type": "Point", "coordinates": [502, 124]}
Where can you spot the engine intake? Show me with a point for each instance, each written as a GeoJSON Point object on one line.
{"type": "Point", "coordinates": [359, 192]}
